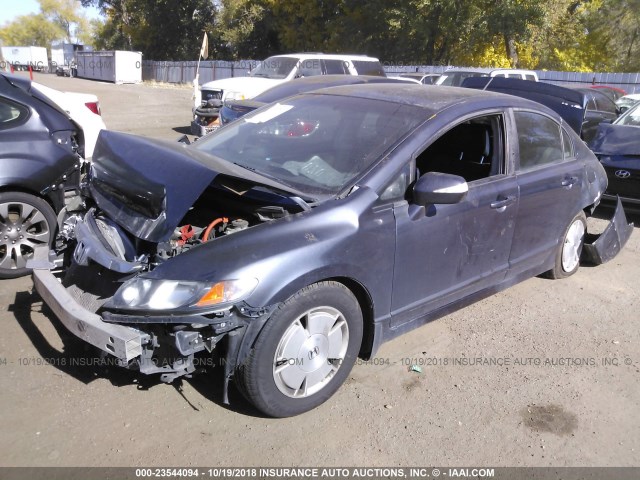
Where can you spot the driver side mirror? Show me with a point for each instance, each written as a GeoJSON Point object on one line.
{"type": "Point", "coordinates": [439, 188]}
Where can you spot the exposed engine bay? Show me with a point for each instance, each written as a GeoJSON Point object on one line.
{"type": "Point", "coordinates": [226, 208]}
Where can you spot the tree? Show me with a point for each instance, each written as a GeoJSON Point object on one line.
{"type": "Point", "coordinates": [247, 29]}
{"type": "Point", "coordinates": [57, 20]}
{"type": "Point", "coordinates": [68, 15]}
{"type": "Point", "coordinates": [160, 29]}
{"type": "Point", "coordinates": [31, 30]}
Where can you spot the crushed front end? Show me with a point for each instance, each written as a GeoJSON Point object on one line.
{"type": "Point", "coordinates": [155, 326]}
{"type": "Point", "coordinates": [125, 286]}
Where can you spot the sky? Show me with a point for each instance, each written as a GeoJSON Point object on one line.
{"type": "Point", "coordinates": [10, 9]}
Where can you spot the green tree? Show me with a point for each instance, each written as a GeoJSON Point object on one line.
{"type": "Point", "coordinates": [160, 29]}
{"type": "Point", "coordinates": [57, 20]}
{"type": "Point", "coordinates": [31, 30]}
{"type": "Point", "coordinates": [247, 29]}
{"type": "Point", "coordinates": [68, 15]}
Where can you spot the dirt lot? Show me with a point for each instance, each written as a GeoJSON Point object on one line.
{"type": "Point", "coordinates": [544, 374]}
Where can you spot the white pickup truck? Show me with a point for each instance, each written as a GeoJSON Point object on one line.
{"type": "Point", "coordinates": [269, 73]}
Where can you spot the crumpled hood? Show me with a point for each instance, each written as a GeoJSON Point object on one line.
{"type": "Point", "coordinates": [614, 139]}
{"type": "Point", "coordinates": [146, 186]}
{"type": "Point", "coordinates": [249, 86]}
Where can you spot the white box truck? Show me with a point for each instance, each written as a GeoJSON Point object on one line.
{"type": "Point", "coordinates": [116, 66]}
{"type": "Point", "coordinates": [21, 58]}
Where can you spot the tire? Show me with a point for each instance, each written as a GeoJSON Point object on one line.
{"type": "Point", "coordinates": [295, 365]}
{"type": "Point", "coordinates": [26, 222]}
{"type": "Point", "coordinates": [568, 255]}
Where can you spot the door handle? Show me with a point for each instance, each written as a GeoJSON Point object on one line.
{"type": "Point", "coordinates": [503, 202]}
{"type": "Point", "coordinates": [569, 181]}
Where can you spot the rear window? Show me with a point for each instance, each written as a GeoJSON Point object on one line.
{"type": "Point", "coordinates": [12, 114]}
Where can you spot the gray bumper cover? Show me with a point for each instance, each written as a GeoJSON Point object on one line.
{"type": "Point", "coordinates": [125, 343]}
{"type": "Point", "coordinates": [612, 240]}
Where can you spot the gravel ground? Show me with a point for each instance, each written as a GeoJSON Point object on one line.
{"type": "Point", "coordinates": [546, 373]}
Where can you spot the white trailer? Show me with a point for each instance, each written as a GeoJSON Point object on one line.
{"type": "Point", "coordinates": [116, 66]}
{"type": "Point", "coordinates": [21, 58]}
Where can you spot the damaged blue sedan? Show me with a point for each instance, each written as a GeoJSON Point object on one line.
{"type": "Point", "coordinates": [312, 230]}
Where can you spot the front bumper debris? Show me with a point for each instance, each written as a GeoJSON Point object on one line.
{"type": "Point", "coordinates": [124, 343]}
{"type": "Point", "coordinates": [611, 241]}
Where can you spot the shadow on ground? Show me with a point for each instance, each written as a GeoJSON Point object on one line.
{"type": "Point", "coordinates": [86, 363]}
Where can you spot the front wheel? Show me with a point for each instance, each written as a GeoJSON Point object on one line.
{"type": "Point", "coordinates": [305, 351]}
{"type": "Point", "coordinates": [26, 222]}
{"type": "Point", "coordinates": [569, 251]}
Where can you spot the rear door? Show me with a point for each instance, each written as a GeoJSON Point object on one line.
{"type": "Point", "coordinates": [549, 180]}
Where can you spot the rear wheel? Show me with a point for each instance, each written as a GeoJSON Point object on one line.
{"type": "Point", "coordinates": [570, 249]}
{"type": "Point", "coordinates": [305, 351]}
{"type": "Point", "coordinates": [26, 222]}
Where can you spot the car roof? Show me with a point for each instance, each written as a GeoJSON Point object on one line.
{"type": "Point", "coordinates": [316, 82]}
{"type": "Point", "coordinates": [327, 56]}
{"type": "Point", "coordinates": [486, 70]}
{"type": "Point", "coordinates": [430, 99]}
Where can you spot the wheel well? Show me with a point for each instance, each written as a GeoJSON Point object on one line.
{"type": "Point", "coordinates": [17, 188]}
{"type": "Point", "coordinates": [366, 306]}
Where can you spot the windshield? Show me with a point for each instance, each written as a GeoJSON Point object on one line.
{"type": "Point", "coordinates": [316, 144]}
{"type": "Point", "coordinates": [630, 117]}
{"type": "Point", "coordinates": [275, 67]}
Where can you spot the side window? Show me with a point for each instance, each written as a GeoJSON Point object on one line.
{"type": "Point", "coordinates": [334, 67]}
{"type": "Point", "coordinates": [397, 189]}
{"type": "Point", "coordinates": [309, 67]}
{"type": "Point", "coordinates": [591, 103]}
{"type": "Point", "coordinates": [605, 104]}
{"type": "Point", "coordinates": [369, 68]}
{"type": "Point", "coordinates": [539, 140]}
{"type": "Point", "coordinates": [12, 114]}
{"type": "Point", "coordinates": [528, 76]}
{"type": "Point", "coordinates": [472, 149]}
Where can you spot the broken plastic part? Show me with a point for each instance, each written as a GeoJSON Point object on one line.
{"type": "Point", "coordinates": [611, 241]}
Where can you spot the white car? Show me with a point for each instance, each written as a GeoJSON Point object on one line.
{"type": "Point", "coordinates": [83, 108]}
{"type": "Point", "coordinates": [269, 73]}
{"type": "Point", "coordinates": [455, 76]}
{"type": "Point", "coordinates": [626, 102]}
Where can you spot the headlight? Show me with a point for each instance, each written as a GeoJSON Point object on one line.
{"type": "Point", "coordinates": [231, 95]}
{"type": "Point", "coordinates": [151, 294]}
